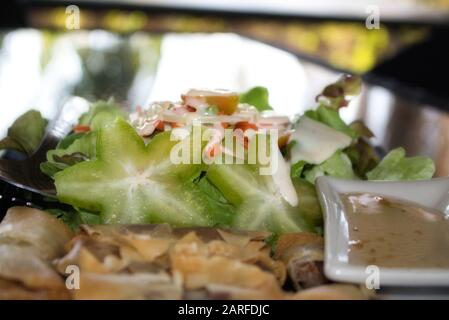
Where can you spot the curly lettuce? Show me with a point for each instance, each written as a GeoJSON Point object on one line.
{"type": "Point", "coordinates": [396, 166]}
{"type": "Point", "coordinates": [79, 147]}
{"type": "Point", "coordinates": [26, 133]}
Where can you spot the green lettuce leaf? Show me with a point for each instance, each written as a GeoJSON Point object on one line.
{"type": "Point", "coordinates": [225, 211]}
{"type": "Point", "coordinates": [82, 148]}
{"type": "Point", "coordinates": [395, 166]}
{"type": "Point", "coordinates": [8, 143]}
{"type": "Point", "coordinates": [332, 118]}
{"type": "Point", "coordinates": [339, 166]}
{"type": "Point", "coordinates": [26, 133]}
{"type": "Point", "coordinates": [68, 140]}
{"type": "Point", "coordinates": [85, 145]}
{"type": "Point", "coordinates": [257, 97]}
{"type": "Point", "coordinates": [340, 93]}
{"type": "Point", "coordinates": [51, 168]}
{"type": "Point", "coordinates": [314, 172]}
{"type": "Point", "coordinates": [333, 97]}
{"type": "Point", "coordinates": [363, 157]}
{"type": "Point", "coordinates": [309, 206]}
{"type": "Point", "coordinates": [74, 218]}
{"type": "Point", "coordinates": [78, 147]}
{"type": "Point", "coordinates": [361, 129]}
{"type": "Point", "coordinates": [101, 113]}
{"type": "Point", "coordinates": [297, 169]}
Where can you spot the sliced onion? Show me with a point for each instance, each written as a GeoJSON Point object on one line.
{"type": "Point", "coordinates": [274, 119]}
{"type": "Point", "coordinates": [219, 119]}
{"type": "Point", "coordinates": [170, 116]}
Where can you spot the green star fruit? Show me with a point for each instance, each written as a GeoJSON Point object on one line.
{"type": "Point", "coordinates": [133, 182]}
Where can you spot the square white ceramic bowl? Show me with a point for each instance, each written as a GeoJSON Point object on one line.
{"type": "Point", "coordinates": [427, 193]}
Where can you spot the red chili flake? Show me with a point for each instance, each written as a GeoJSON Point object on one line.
{"type": "Point", "coordinates": [81, 128]}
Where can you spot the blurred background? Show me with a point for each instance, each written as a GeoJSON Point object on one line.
{"type": "Point", "coordinates": [144, 50]}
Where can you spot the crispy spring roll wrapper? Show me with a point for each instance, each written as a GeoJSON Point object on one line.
{"type": "Point", "coordinates": [226, 292]}
{"type": "Point", "coordinates": [303, 254]}
{"type": "Point", "coordinates": [23, 264]}
{"type": "Point", "coordinates": [198, 261]}
{"type": "Point", "coordinates": [44, 232]}
{"type": "Point", "coordinates": [153, 241]}
{"type": "Point", "coordinates": [29, 240]}
{"type": "Point", "coordinates": [137, 286]}
{"type": "Point", "coordinates": [331, 292]}
{"type": "Point", "coordinates": [192, 260]}
{"type": "Point", "coordinates": [164, 231]}
{"type": "Point", "coordinates": [91, 255]}
{"type": "Point", "coordinates": [13, 290]}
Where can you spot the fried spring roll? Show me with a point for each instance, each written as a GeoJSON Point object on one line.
{"type": "Point", "coordinates": [331, 292]}
{"type": "Point", "coordinates": [29, 240]}
{"type": "Point", "coordinates": [303, 254]}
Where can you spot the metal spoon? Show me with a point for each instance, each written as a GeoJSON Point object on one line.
{"type": "Point", "coordinates": [26, 173]}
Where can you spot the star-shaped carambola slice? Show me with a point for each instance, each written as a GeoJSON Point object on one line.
{"type": "Point", "coordinates": [256, 197]}
{"type": "Point", "coordinates": [130, 182]}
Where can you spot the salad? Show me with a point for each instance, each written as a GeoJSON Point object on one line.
{"type": "Point", "coordinates": [118, 167]}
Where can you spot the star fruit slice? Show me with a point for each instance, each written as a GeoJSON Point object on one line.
{"type": "Point", "coordinates": [130, 182]}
